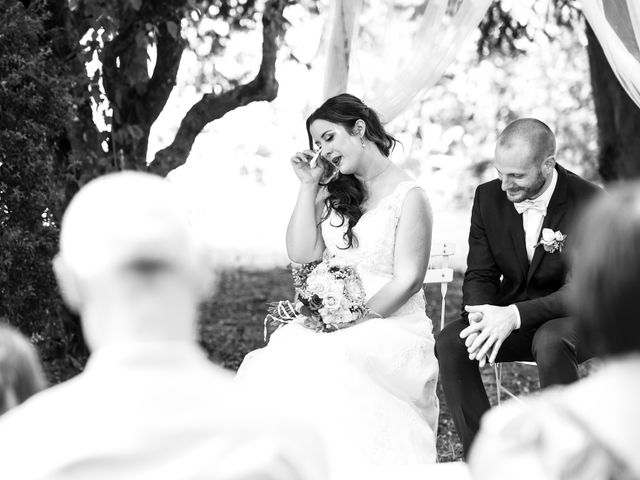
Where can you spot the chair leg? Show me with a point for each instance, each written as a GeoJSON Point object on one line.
{"type": "Point", "coordinates": [442, 312]}
{"type": "Point", "coordinates": [443, 292]}
{"type": "Point", "coordinates": [497, 368]}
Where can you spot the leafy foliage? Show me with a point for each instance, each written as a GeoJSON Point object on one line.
{"type": "Point", "coordinates": [34, 105]}
{"type": "Point", "coordinates": [81, 83]}
{"type": "Point", "coordinates": [136, 47]}
{"type": "Point", "coordinates": [500, 30]}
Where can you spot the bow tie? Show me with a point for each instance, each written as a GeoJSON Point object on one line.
{"type": "Point", "coordinates": [536, 204]}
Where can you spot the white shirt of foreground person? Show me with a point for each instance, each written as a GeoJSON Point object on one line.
{"type": "Point", "coordinates": [156, 411]}
{"type": "Point", "coordinates": [149, 404]}
{"type": "Point", "coordinates": [586, 431]}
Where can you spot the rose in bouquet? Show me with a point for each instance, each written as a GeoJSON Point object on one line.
{"type": "Point", "coordinates": [328, 295]}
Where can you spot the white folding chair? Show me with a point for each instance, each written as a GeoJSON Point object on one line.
{"type": "Point", "coordinates": [440, 272]}
{"type": "Point", "coordinates": [497, 368]}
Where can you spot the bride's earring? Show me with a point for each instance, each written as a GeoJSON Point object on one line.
{"type": "Point", "coordinates": [362, 141]}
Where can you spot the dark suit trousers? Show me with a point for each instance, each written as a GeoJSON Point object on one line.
{"type": "Point", "coordinates": [552, 346]}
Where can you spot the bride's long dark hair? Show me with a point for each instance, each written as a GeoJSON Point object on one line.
{"type": "Point", "coordinates": [346, 192]}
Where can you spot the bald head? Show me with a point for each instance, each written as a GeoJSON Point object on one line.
{"type": "Point", "coordinates": [128, 262]}
{"type": "Point", "coordinates": [125, 218]}
{"type": "Point", "coordinates": [533, 133]}
{"type": "Point", "coordinates": [525, 159]}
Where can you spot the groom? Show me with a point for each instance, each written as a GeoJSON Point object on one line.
{"type": "Point", "coordinates": [514, 287]}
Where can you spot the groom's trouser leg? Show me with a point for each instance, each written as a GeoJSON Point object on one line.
{"type": "Point", "coordinates": [460, 377]}
{"type": "Point", "coordinates": [555, 350]}
{"type": "Point", "coordinates": [461, 381]}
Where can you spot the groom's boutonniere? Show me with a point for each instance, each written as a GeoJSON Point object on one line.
{"type": "Point", "coordinates": [552, 241]}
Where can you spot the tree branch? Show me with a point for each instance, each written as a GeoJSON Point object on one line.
{"type": "Point", "coordinates": [169, 53]}
{"type": "Point", "coordinates": [136, 99]}
{"type": "Point", "coordinates": [213, 106]}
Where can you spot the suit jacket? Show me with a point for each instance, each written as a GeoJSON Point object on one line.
{"type": "Point", "coordinates": [498, 270]}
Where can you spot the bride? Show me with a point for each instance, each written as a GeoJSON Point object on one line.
{"type": "Point", "coordinates": [370, 388]}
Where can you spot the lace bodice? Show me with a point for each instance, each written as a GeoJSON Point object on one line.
{"type": "Point", "coordinates": [376, 234]}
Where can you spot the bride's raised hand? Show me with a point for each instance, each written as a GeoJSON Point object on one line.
{"type": "Point", "coordinates": [307, 170]}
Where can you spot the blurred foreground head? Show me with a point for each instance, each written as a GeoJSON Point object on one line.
{"type": "Point", "coordinates": [128, 262]}
{"type": "Point", "coordinates": [20, 371]}
{"type": "Point", "coordinates": [606, 272]}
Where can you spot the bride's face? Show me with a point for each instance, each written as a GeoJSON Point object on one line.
{"type": "Point", "coordinates": [339, 146]}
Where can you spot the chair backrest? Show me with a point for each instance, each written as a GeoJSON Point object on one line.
{"type": "Point", "coordinates": [440, 272]}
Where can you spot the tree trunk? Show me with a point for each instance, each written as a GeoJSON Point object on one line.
{"type": "Point", "coordinates": [618, 118]}
{"type": "Point", "coordinates": [137, 99]}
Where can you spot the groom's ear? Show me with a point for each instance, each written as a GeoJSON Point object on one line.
{"type": "Point", "coordinates": [548, 164]}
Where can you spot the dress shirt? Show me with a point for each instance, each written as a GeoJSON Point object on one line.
{"type": "Point", "coordinates": [154, 410]}
{"type": "Point", "coordinates": [532, 220]}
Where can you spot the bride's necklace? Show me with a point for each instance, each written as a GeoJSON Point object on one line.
{"type": "Point", "coordinates": [369, 180]}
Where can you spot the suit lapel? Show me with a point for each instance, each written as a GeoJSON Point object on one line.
{"type": "Point", "coordinates": [555, 213]}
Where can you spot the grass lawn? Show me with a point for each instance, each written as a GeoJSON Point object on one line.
{"type": "Point", "coordinates": [232, 325]}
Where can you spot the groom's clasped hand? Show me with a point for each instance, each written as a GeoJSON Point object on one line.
{"type": "Point", "coordinates": [489, 326]}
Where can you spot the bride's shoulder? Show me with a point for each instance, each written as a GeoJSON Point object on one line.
{"type": "Point", "coordinates": [415, 200]}
{"type": "Point", "coordinates": [411, 198]}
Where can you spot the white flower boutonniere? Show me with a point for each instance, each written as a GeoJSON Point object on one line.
{"type": "Point", "coordinates": [552, 241]}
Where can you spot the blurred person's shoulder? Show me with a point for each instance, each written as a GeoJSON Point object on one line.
{"type": "Point", "coordinates": [50, 404]}
{"type": "Point", "coordinates": [278, 449]}
{"type": "Point", "coordinates": [277, 441]}
{"type": "Point", "coordinates": [547, 436]}
{"type": "Point", "coordinates": [31, 433]}
{"type": "Point", "coordinates": [521, 440]}
{"type": "Point", "coordinates": [259, 442]}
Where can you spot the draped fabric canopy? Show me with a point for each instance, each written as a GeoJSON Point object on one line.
{"type": "Point", "coordinates": [395, 55]}
{"type": "Point", "coordinates": [389, 59]}
{"type": "Point", "coordinates": [617, 26]}
{"type": "Point", "coordinates": [344, 15]}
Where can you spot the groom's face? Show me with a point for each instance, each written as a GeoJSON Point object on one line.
{"type": "Point", "coordinates": [520, 173]}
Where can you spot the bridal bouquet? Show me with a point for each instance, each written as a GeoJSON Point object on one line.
{"type": "Point", "coordinates": [327, 294]}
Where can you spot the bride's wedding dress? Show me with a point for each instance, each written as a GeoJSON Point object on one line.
{"type": "Point", "coordinates": [370, 389]}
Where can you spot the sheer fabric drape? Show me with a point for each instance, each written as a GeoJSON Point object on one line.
{"type": "Point", "coordinates": [389, 51]}
{"type": "Point", "coordinates": [399, 48]}
{"type": "Point", "coordinates": [617, 27]}
{"type": "Point", "coordinates": [344, 15]}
